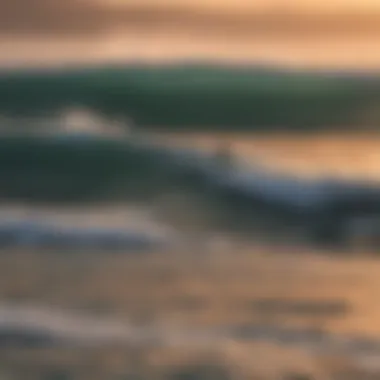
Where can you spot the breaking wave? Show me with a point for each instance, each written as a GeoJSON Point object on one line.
{"type": "Point", "coordinates": [211, 190]}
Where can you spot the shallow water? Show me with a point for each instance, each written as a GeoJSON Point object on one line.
{"type": "Point", "coordinates": [320, 305]}
{"type": "Point", "coordinates": [297, 298]}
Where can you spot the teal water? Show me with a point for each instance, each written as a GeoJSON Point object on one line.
{"type": "Point", "coordinates": [203, 97]}
{"type": "Point", "coordinates": [74, 168]}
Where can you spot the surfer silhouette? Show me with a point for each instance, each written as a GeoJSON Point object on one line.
{"type": "Point", "coordinates": [224, 155]}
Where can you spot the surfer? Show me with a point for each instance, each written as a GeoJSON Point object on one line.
{"type": "Point", "coordinates": [224, 155]}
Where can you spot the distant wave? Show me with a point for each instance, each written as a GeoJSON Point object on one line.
{"type": "Point", "coordinates": [178, 97]}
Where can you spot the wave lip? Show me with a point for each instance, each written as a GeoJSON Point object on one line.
{"type": "Point", "coordinates": [31, 234]}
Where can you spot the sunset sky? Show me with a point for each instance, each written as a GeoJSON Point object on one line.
{"type": "Point", "coordinates": [302, 32]}
{"type": "Point", "coordinates": [238, 5]}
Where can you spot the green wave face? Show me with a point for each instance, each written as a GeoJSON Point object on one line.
{"type": "Point", "coordinates": [89, 169]}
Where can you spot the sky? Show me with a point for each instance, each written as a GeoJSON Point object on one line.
{"type": "Point", "coordinates": [96, 16]}
{"type": "Point", "coordinates": [50, 31]}
{"type": "Point", "coordinates": [243, 5]}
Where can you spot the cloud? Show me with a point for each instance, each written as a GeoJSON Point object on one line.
{"type": "Point", "coordinates": [50, 16]}
{"type": "Point", "coordinates": [81, 17]}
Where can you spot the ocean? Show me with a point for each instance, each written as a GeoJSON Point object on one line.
{"type": "Point", "coordinates": [161, 192]}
